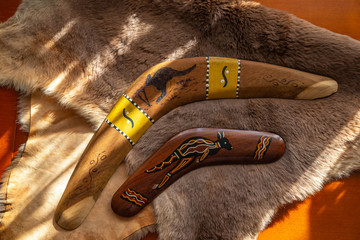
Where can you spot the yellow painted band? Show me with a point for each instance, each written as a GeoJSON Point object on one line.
{"type": "Point", "coordinates": [129, 119]}
{"type": "Point", "coordinates": [223, 78]}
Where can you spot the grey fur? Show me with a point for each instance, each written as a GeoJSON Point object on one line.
{"type": "Point", "coordinates": [125, 38]}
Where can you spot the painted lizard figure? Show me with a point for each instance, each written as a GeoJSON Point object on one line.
{"type": "Point", "coordinates": [193, 148]}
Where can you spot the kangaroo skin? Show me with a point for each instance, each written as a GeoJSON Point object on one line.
{"type": "Point", "coordinates": [161, 89]}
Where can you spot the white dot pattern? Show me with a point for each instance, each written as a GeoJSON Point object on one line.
{"type": "Point", "coordinates": [207, 76]}
{"type": "Point", "coordinates": [138, 107]}
{"type": "Point", "coordinates": [117, 129]}
{"type": "Point", "coordinates": [238, 79]}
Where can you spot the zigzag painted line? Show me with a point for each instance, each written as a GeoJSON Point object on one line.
{"type": "Point", "coordinates": [134, 197]}
{"type": "Point", "coordinates": [262, 147]}
{"type": "Point", "coordinates": [126, 197]}
{"type": "Point", "coordinates": [138, 195]}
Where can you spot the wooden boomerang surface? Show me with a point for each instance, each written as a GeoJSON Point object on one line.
{"type": "Point", "coordinates": [187, 151]}
{"type": "Point", "coordinates": [161, 89]}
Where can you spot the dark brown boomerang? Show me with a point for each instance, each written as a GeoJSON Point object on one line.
{"type": "Point", "coordinates": [190, 150]}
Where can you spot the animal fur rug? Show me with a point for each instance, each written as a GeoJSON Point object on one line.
{"type": "Point", "coordinates": [84, 55]}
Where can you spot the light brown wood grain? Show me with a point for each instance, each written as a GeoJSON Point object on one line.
{"type": "Point", "coordinates": [98, 163]}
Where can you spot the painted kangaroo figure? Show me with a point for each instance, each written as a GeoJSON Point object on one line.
{"type": "Point", "coordinates": [159, 80]}
{"type": "Point", "coordinates": [191, 149]}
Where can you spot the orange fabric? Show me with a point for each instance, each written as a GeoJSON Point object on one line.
{"type": "Point", "coordinates": [332, 213]}
{"type": "Point", "coordinates": [7, 127]}
{"type": "Point", "coordinates": [8, 8]}
{"type": "Point", "coordinates": [10, 136]}
{"type": "Point", "coordinates": [341, 16]}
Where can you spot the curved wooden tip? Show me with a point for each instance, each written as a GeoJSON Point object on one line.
{"type": "Point", "coordinates": [319, 90]}
{"type": "Point", "coordinates": [97, 164]}
{"type": "Point", "coordinates": [73, 217]}
{"type": "Point", "coordinates": [190, 150]}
